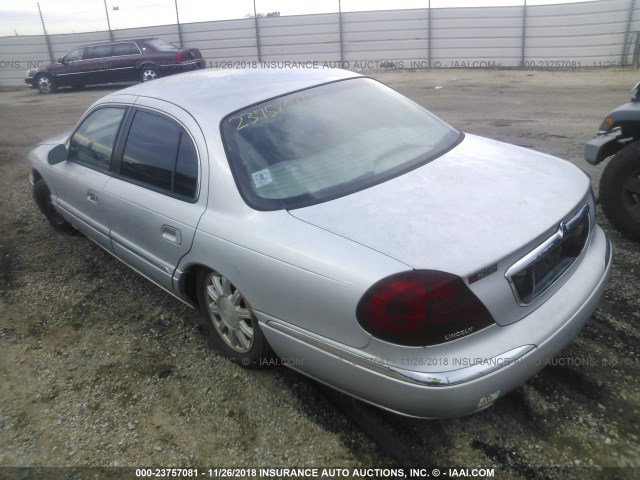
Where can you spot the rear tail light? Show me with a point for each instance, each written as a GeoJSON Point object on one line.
{"type": "Point", "coordinates": [179, 57]}
{"type": "Point", "coordinates": [420, 308]}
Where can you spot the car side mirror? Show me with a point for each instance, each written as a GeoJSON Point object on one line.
{"type": "Point", "coordinates": [57, 154]}
{"type": "Point", "coordinates": [61, 60]}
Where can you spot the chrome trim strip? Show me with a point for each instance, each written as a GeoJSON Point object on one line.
{"type": "Point", "coordinates": [87, 72]}
{"type": "Point", "coordinates": [466, 374]}
{"type": "Point", "coordinates": [378, 365]}
{"type": "Point", "coordinates": [545, 247]}
{"type": "Point", "coordinates": [168, 65]}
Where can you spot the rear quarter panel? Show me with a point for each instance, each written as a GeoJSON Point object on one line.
{"type": "Point", "coordinates": [293, 271]}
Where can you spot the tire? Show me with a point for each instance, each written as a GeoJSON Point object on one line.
{"type": "Point", "coordinates": [229, 323]}
{"type": "Point", "coordinates": [45, 83]}
{"type": "Point", "coordinates": [149, 73]}
{"type": "Point", "coordinates": [42, 197]}
{"type": "Point", "coordinates": [620, 191]}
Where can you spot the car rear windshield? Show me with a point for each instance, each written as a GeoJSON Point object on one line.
{"type": "Point", "coordinates": [161, 45]}
{"type": "Point", "coordinates": [329, 141]}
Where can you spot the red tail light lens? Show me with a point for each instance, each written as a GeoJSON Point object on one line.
{"type": "Point", "coordinates": [179, 57]}
{"type": "Point", "coordinates": [420, 308]}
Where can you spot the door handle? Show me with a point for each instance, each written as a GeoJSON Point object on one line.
{"type": "Point", "coordinates": [171, 234]}
{"type": "Point", "coordinates": [93, 197]}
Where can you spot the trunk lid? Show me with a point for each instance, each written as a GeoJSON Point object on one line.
{"type": "Point", "coordinates": [484, 203]}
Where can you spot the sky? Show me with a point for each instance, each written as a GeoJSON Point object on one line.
{"type": "Point", "coordinates": [20, 17]}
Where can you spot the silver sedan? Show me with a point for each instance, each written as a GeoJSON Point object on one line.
{"type": "Point", "coordinates": [322, 219]}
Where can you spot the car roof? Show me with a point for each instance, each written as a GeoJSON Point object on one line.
{"type": "Point", "coordinates": [212, 94]}
{"type": "Point", "coordinates": [124, 40]}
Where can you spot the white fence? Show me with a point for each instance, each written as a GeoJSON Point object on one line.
{"type": "Point", "coordinates": [587, 34]}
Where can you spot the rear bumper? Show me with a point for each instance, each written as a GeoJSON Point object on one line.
{"type": "Point", "coordinates": [464, 390]}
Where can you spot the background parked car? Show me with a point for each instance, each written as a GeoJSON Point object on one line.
{"type": "Point", "coordinates": [140, 59]}
{"type": "Point", "coordinates": [619, 136]}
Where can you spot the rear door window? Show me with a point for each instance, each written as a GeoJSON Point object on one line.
{"type": "Point", "coordinates": [160, 155]}
{"type": "Point", "coordinates": [128, 48]}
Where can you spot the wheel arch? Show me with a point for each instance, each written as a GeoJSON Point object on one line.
{"type": "Point", "coordinates": [36, 175]}
{"type": "Point", "coordinates": [148, 64]}
{"type": "Point", "coordinates": [188, 282]}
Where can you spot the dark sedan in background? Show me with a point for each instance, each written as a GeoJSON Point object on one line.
{"type": "Point", "coordinates": [140, 59]}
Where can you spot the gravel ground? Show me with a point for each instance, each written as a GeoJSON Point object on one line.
{"type": "Point", "coordinates": [98, 367]}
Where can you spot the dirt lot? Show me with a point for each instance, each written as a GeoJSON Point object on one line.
{"type": "Point", "coordinates": [100, 368]}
